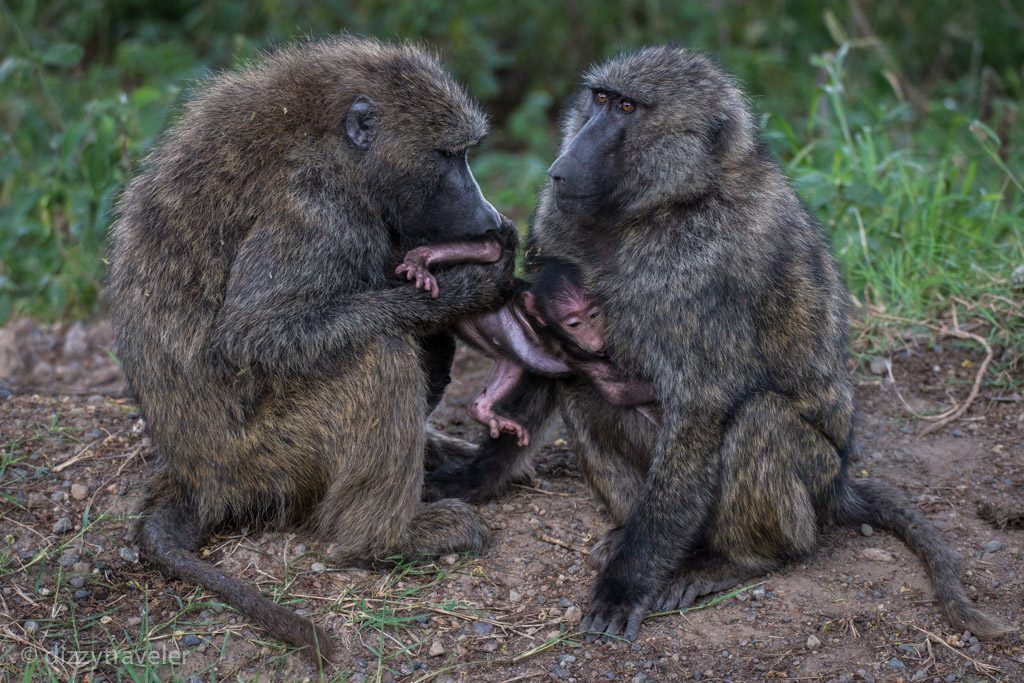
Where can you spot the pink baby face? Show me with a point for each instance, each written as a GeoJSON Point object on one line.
{"type": "Point", "coordinates": [580, 318]}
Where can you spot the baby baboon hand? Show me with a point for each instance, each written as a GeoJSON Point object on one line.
{"type": "Point", "coordinates": [602, 551]}
{"type": "Point", "coordinates": [414, 269]}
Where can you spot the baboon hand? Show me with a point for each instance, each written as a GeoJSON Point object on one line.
{"type": "Point", "coordinates": [616, 606]}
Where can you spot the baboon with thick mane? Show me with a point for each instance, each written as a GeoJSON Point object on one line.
{"type": "Point", "coordinates": [719, 287]}
{"type": "Point", "coordinates": [282, 370]}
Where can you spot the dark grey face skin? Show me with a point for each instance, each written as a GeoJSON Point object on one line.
{"type": "Point", "coordinates": [586, 174]}
{"type": "Point", "coordinates": [457, 203]}
{"type": "Point", "coordinates": [452, 208]}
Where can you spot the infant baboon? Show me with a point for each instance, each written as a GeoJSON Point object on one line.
{"type": "Point", "coordinates": [554, 328]}
{"type": "Point", "coordinates": [277, 364]}
{"type": "Point", "coordinates": [718, 285]}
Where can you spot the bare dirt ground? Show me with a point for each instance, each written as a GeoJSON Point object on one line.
{"type": "Point", "coordinates": [76, 603]}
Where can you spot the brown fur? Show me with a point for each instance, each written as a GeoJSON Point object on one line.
{"type": "Point", "coordinates": [719, 286]}
{"type": "Point", "coordinates": [277, 364]}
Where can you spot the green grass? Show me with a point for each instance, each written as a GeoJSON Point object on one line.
{"type": "Point", "coordinates": [902, 135]}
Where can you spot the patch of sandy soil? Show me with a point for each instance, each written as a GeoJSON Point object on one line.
{"type": "Point", "coordinates": [76, 601]}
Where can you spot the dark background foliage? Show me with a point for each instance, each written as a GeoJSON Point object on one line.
{"type": "Point", "coordinates": [897, 120]}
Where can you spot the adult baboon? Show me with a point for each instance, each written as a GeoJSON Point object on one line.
{"type": "Point", "coordinates": [276, 360]}
{"type": "Point", "coordinates": [718, 286]}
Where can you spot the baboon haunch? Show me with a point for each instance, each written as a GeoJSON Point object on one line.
{"type": "Point", "coordinates": [718, 286]}
{"type": "Point", "coordinates": [279, 365]}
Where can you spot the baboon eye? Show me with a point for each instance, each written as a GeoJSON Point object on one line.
{"type": "Point", "coordinates": [574, 324]}
{"type": "Point", "coordinates": [627, 106]}
{"type": "Point", "coordinates": [601, 98]}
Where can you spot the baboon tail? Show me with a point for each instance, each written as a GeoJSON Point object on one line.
{"type": "Point", "coordinates": [166, 535]}
{"type": "Point", "coordinates": [881, 505]}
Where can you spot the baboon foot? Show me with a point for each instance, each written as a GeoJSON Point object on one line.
{"type": "Point", "coordinates": [447, 526]}
{"type": "Point", "coordinates": [690, 585]}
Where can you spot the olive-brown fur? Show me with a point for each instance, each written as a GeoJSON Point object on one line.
{"type": "Point", "coordinates": [719, 287]}
{"type": "Point", "coordinates": [279, 367]}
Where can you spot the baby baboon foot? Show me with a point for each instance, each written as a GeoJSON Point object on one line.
{"type": "Point", "coordinates": [448, 526]}
{"type": "Point", "coordinates": [687, 588]}
{"type": "Point", "coordinates": [498, 425]}
{"type": "Point", "coordinates": [424, 279]}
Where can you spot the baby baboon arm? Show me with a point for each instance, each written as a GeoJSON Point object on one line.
{"type": "Point", "coordinates": [479, 251]}
{"type": "Point", "coordinates": [501, 385]}
{"type": "Point", "coordinates": [618, 390]}
{"type": "Point", "coordinates": [417, 262]}
{"type": "Point", "coordinates": [661, 528]}
{"type": "Point", "coordinates": [285, 312]}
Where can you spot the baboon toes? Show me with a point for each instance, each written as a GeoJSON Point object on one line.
{"type": "Point", "coordinates": [449, 525]}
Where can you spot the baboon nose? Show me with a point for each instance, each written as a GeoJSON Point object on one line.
{"type": "Point", "coordinates": [492, 217]}
{"type": "Point", "coordinates": [554, 171]}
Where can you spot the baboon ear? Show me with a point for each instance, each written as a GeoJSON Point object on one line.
{"type": "Point", "coordinates": [531, 306]}
{"type": "Point", "coordinates": [721, 131]}
{"type": "Point", "coordinates": [361, 122]}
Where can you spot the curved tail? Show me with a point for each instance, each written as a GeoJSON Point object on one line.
{"type": "Point", "coordinates": [167, 537]}
{"type": "Point", "coordinates": [881, 505]}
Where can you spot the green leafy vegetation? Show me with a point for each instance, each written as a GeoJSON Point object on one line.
{"type": "Point", "coordinates": [899, 123]}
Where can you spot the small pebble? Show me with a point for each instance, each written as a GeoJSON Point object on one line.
{"type": "Point", "coordinates": [129, 554]}
{"type": "Point", "coordinates": [449, 559]}
{"type": "Point", "coordinates": [573, 615]}
{"type": "Point", "coordinates": [877, 555]}
{"type": "Point", "coordinates": [566, 661]}
{"type": "Point", "coordinates": [63, 525]}
{"type": "Point", "coordinates": [79, 491]}
{"type": "Point", "coordinates": [436, 648]}
{"type": "Point", "coordinates": [81, 594]}
{"type": "Point", "coordinates": [992, 546]}
{"type": "Point", "coordinates": [68, 559]}
{"type": "Point", "coordinates": [866, 530]}
{"type": "Point", "coordinates": [31, 627]}
{"type": "Point", "coordinates": [482, 628]}
{"type": "Point", "coordinates": [813, 643]}
{"type": "Point", "coordinates": [317, 568]}
{"type": "Point", "coordinates": [134, 621]}
{"type": "Point", "coordinates": [895, 664]}
{"type": "Point", "coordinates": [865, 675]}
{"type": "Point", "coordinates": [559, 672]}
{"type": "Point", "coordinates": [191, 640]}
{"type": "Point", "coordinates": [514, 596]}
{"type": "Point", "coordinates": [80, 567]}
{"type": "Point", "coordinates": [77, 581]}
